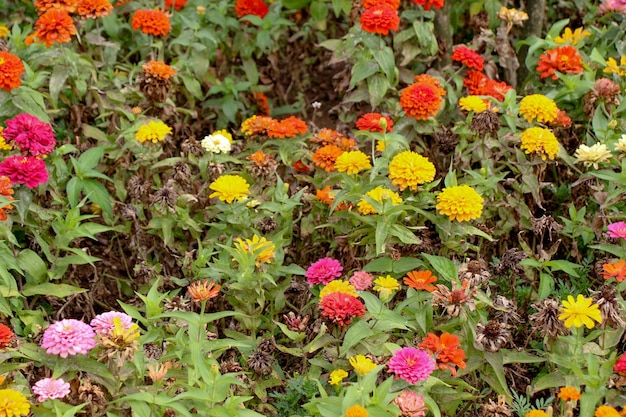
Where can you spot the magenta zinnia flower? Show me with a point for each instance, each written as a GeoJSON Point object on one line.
{"type": "Point", "coordinates": [620, 365]}
{"type": "Point", "coordinates": [26, 170]}
{"type": "Point", "coordinates": [30, 135]}
{"type": "Point", "coordinates": [103, 323]}
{"type": "Point", "coordinates": [411, 364]}
{"type": "Point", "coordinates": [68, 337]}
{"type": "Point", "coordinates": [324, 271]}
{"type": "Point", "coordinates": [49, 389]}
{"type": "Point", "coordinates": [341, 307]}
{"type": "Point", "coordinates": [617, 230]}
{"type": "Point", "coordinates": [361, 280]}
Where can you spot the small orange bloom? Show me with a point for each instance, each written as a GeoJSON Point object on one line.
{"type": "Point", "coordinates": [262, 103]}
{"type": "Point", "coordinates": [374, 122]}
{"type": "Point", "coordinates": [94, 8]}
{"type": "Point", "coordinates": [43, 6]}
{"type": "Point", "coordinates": [257, 125]}
{"type": "Point", "coordinates": [564, 59]}
{"type": "Point", "coordinates": [151, 22]}
{"type": "Point", "coordinates": [55, 26]}
{"type": "Point", "coordinates": [478, 84]}
{"type": "Point", "coordinates": [159, 69]}
{"type": "Point", "coordinates": [11, 69]}
{"type": "Point", "coordinates": [326, 156]}
{"type": "Point", "coordinates": [380, 19]}
{"type": "Point", "coordinates": [6, 336]}
{"type": "Point", "coordinates": [615, 269]}
{"type": "Point", "coordinates": [203, 290]}
{"type": "Point", "coordinates": [178, 4]}
{"type": "Point", "coordinates": [287, 128]}
{"type": "Point", "coordinates": [7, 192]}
{"type": "Point", "coordinates": [326, 196]}
{"type": "Point", "coordinates": [446, 349]}
{"type": "Point", "coordinates": [260, 158]}
{"type": "Point", "coordinates": [421, 280]}
{"type": "Point", "coordinates": [422, 99]}
{"type": "Point", "coordinates": [392, 4]}
{"type": "Point", "coordinates": [569, 394]}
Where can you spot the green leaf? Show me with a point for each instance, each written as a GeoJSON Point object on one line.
{"type": "Point", "coordinates": [34, 265]}
{"type": "Point", "coordinates": [377, 87]}
{"type": "Point", "coordinates": [295, 4]}
{"type": "Point", "coordinates": [98, 193]}
{"type": "Point", "coordinates": [94, 133]}
{"type": "Point", "coordinates": [73, 188]}
{"type": "Point", "coordinates": [89, 159]}
{"type": "Point", "coordinates": [546, 286]}
{"type": "Point", "coordinates": [319, 10]}
{"type": "Point", "coordinates": [385, 59]}
{"type": "Point", "coordinates": [48, 288]}
{"type": "Point", "coordinates": [444, 267]}
{"type": "Point", "coordinates": [57, 82]}
{"type": "Point", "coordinates": [357, 332]}
{"type": "Point", "coordinates": [384, 264]}
{"type": "Point", "coordinates": [362, 70]}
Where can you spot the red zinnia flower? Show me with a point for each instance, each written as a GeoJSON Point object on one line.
{"type": "Point", "coordinates": [255, 7]}
{"type": "Point", "coordinates": [421, 280]}
{"type": "Point", "coordinates": [11, 69]}
{"type": "Point", "coordinates": [26, 170]}
{"type": "Point", "coordinates": [437, 4]}
{"type": "Point", "coordinates": [94, 8]}
{"type": "Point", "coordinates": [380, 19]}
{"type": "Point", "coordinates": [6, 335]}
{"type": "Point", "coordinates": [446, 350]}
{"type": "Point", "coordinates": [620, 365]}
{"type": "Point", "coordinates": [422, 99]}
{"type": "Point", "coordinates": [55, 26]}
{"type": "Point", "coordinates": [479, 84]}
{"type": "Point", "coordinates": [371, 122]}
{"type": "Point", "coordinates": [152, 22]}
{"type": "Point", "coordinates": [392, 4]}
{"type": "Point", "coordinates": [468, 57]}
{"type": "Point", "coordinates": [178, 4]}
{"type": "Point", "coordinates": [564, 59]}
{"type": "Point", "coordinates": [341, 308]}
{"type": "Point", "coordinates": [299, 166]}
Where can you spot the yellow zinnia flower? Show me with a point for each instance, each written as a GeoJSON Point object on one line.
{"type": "Point", "coordinates": [593, 155]}
{"type": "Point", "coordinates": [572, 38]}
{"type": "Point", "coordinates": [362, 365]}
{"type": "Point", "coordinates": [460, 202]}
{"type": "Point", "coordinates": [536, 413]}
{"type": "Point", "coordinates": [380, 194]}
{"type": "Point", "coordinates": [386, 287]}
{"type": "Point", "coordinates": [540, 107]}
{"type": "Point", "coordinates": [3, 145]}
{"type": "Point", "coordinates": [229, 188]}
{"type": "Point", "coordinates": [352, 162]}
{"type": "Point", "coordinates": [338, 286]}
{"type": "Point", "coordinates": [4, 32]}
{"type": "Point", "coordinates": [120, 337]}
{"type": "Point", "coordinates": [153, 131]}
{"type": "Point", "coordinates": [473, 103]}
{"type": "Point", "coordinates": [409, 169]}
{"type": "Point", "coordinates": [262, 248]}
{"type": "Point", "coordinates": [612, 67]}
{"type": "Point", "coordinates": [356, 411]}
{"type": "Point", "coordinates": [580, 311]}
{"type": "Point", "coordinates": [606, 411]}
{"type": "Point", "coordinates": [540, 140]}
{"type": "Point", "coordinates": [337, 376]}
{"type": "Point", "coordinates": [13, 403]}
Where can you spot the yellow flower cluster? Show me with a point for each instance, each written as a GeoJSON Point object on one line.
{"type": "Point", "coordinates": [4, 32]}
{"type": "Point", "coordinates": [460, 202]}
{"type": "Point", "coordinates": [352, 162]}
{"type": "Point", "coordinates": [572, 38]}
{"type": "Point", "coordinates": [540, 140]}
{"type": "Point", "coordinates": [362, 365]}
{"type": "Point", "coordinates": [540, 107]}
{"type": "Point", "coordinates": [338, 286]}
{"type": "Point", "coordinates": [260, 247]}
{"type": "Point", "coordinates": [380, 194]}
{"type": "Point", "coordinates": [229, 188]}
{"type": "Point", "coordinates": [410, 169]}
{"type": "Point", "coordinates": [473, 103]}
{"type": "Point", "coordinates": [154, 131]}
{"type": "Point", "coordinates": [612, 67]}
{"type": "Point", "coordinates": [3, 145]}
{"type": "Point", "coordinates": [337, 376]}
{"type": "Point", "coordinates": [386, 287]}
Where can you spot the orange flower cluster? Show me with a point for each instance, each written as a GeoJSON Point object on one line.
{"type": "Point", "coordinates": [446, 349]}
{"type": "Point", "coordinates": [260, 158]}
{"type": "Point", "coordinates": [287, 128]}
{"type": "Point", "coordinates": [178, 4]}
{"type": "Point", "coordinates": [43, 6]}
{"type": "Point", "coordinates": [203, 290]}
{"type": "Point", "coordinates": [380, 19]}
{"type": "Point", "coordinates": [256, 125]}
{"type": "Point", "coordinates": [11, 69]}
{"type": "Point", "coordinates": [7, 192]}
{"type": "Point", "coordinates": [422, 99]}
{"type": "Point", "coordinates": [326, 196]}
{"type": "Point", "coordinates": [392, 4]}
{"type": "Point", "coordinates": [565, 59]}
{"type": "Point", "coordinates": [468, 57]}
{"type": "Point", "coordinates": [261, 102]}
{"type": "Point", "coordinates": [159, 69]}
{"type": "Point", "coordinates": [328, 136]}
{"type": "Point", "coordinates": [254, 7]}
{"type": "Point", "coordinates": [421, 280]}
{"type": "Point", "coordinates": [437, 4]}
{"type": "Point", "coordinates": [151, 22]}
{"type": "Point", "coordinates": [326, 156]}
{"type": "Point", "coordinates": [372, 122]}
{"type": "Point", "coordinates": [478, 84]}
{"type": "Point", "coordinates": [55, 25]}
{"type": "Point", "coordinates": [615, 269]}
{"type": "Point", "coordinates": [94, 9]}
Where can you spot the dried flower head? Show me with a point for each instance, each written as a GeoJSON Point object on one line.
{"type": "Point", "coordinates": [610, 309]}
{"type": "Point", "coordinates": [493, 335]}
{"type": "Point", "coordinates": [546, 320]}
{"type": "Point", "coordinates": [455, 298]}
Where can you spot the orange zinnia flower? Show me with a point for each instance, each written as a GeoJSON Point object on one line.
{"type": "Point", "coordinates": [7, 192]}
{"type": "Point", "coordinates": [254, 7]}
{"type": "Point", "coordinates": [421, 280]}
{"type": "Point", "coordinates": [380, 19]}
{"type": "Point", "coordinates": [43, 6]}
{"type": "Point", "coordinates": [203, 290]}
{"type": "Point", "coordinates": [178, 4]}
{"type": "Point", "coordinates": [437, 4]}
{"type": "Point", "coordinates": [262, 103]}
{"type": "Point", "coordinates": [564, 59]}
{"type": "Point", "coordinates": [11, 69]}
{"type": "Point", "coordinates": [324, 195]}
{"type": "Point", "coordinates": [326, 156]}
{"type": "Point", "coordinates": [6, 336]}
{"type": "Point", "coordinates": [159, 69]}
{"type": "Point", "coordinates": [615, 269]}
{"type": "Point", "coordinates": [257, 125]}
{"type": "Point", "coordinates": [569, 394]}
{"type": "Point", "coordinates": [372, 122]}
{"type": "Point", "coordinates": [94, 8]}
{"type": "Point", "coordinates": [422, 99]}
{"type": "Point", "coordinates": [54, 26]}
{"type": "Point", "coordinates": [468, 57]}
{"type": "Point", "coordinates": [152, 22]}
{"type": "Point", "coordinates": [446, 349]}
{"type": "Point", "coordinates": [392, 4]}
{"type": "Point", "coordinates": [260, 158]}
{"type": "Point", "coordinates": [287, 128]}
{"type": "Point", "coordinates": [478, 84]}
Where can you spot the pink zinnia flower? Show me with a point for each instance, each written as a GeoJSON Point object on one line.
{"type": "Point", "coordinates": [340, 307]}
{"type": "Point", "coordinates": [620, 365]}
{"type": "Point", "coordinates": [361, 280]}
{"type": "Point", "coordinates": [68, 337]}
{"type": "Point", "coordinates": [49, 389]}
{"type": "Point", "coordinates": [103, 323]}
{"type": "Point", "coordinates": [617, 230]}
{"type": "Point", "coordinates": [411, 364]}
{"type": "Point", "coordinates": [324, 271]}
{"type": "Point", "coordinates": [30, 135]}
{"type": "Point", "coordinates": [26, 170]}
{"type": "Point", "coordinates": [608, 6]}
{"type": "Point", "coordinates": [411, 404]}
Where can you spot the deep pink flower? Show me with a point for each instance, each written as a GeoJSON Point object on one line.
{"type": "Point", "coordinates": [324, 271]}
{"type": "Point", "coordinates": [341, 307]}
{"type": "Point", "coordinates": [620, 365]}
{"type": "Point", "coordinates": [411, 364]}
{"type": "Point", "coordinates": [103, 323]}
{"type": "Point", "coordinates": [411, 404]}
{"type": "Point", "coordinates": [30, 135]}
{"type": "Point", "coordinates": [617, 230]}
{"type": "Point", "coordinates": [361, 280]}
{"type": "Point", "coordinates": [68, 337]}
{"type": "Point", "coordinates": [49, 389]}
{"type": "Point", "coordinates": [26, 170]}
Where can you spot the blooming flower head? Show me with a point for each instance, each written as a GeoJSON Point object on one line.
{"type": "Point", "coordinates": [218, 142]}
{"type": "Point", "coordinates": [421, 280]}
{"type": "Point", "coordinates": [254, 7]}
{"type": "Point", "coordinates": [55, 25]}
{"type": "Point", "coordinates": [473, 103]}
{"type": "Point", "coordinates": [49, 389]}
{"type": "Point", "coordinates": [6, 336]}
{"type": "Point", "coordinates": [326, 156]}
{"type": "Point", "coordinates": [593, 155]}
{"type": "Point", "coordinates": [352, 162]}
{"type": "Point", "coordinates": [337, 376]}
{"type": "Point", "coordinates": [620, 365]}
{"type": "Point", "coordinates": [260, 247]}
{"type": "Point", "coordinates": [580, 311]}
{"type": "Point", "coordinates": [446, 349]}
{"type": "Point", "coordinates": [569, 394]}
{"type": "Point", "coordinates": [4, 32]}
{"type": "Point", "coordinates": [380, 19]}
{"type": "Point", "coordinates": [479, 84]}
{"type": "Point", "coordinates": [177, 4]}
{"type": "Point", "coordinates": [375, 122]}
{"type": "Point", "coordinates": [26, 170]}
{"type": "Point", "coordinates": [614, 68]}
{"type": "Point", "coordinates": [608, 6]}
{"type": "Point", "coordinates": [159, 69]}
{"type": "Point", "coordinates": [257, 125]}
{"type": "Point", "coordinates": [362, 365]}
{"type": "Point", "coordinates": [411, 364]}
{"type": "Point", "coordinates": [410, 169]}
{"type": "Point", "coordinates": [30, 135]}
{"type": "Point", "coordinates": [572, 38]}
{"type": "Point", "coordinates": [153, 131]}
{"type": "Point", "coordinates": [606, 411]}
{"type": "Point", "coordinates": [229, 188]}
{"type": "Point", "coordinates": [536, 413]}
{"type": "Point", "coordinates": [13, 403]}
{"type": "Point", "coordinates": [468, 57]}
{"type": "Point", "coordinates": [287, 128]}
{"type": "Point", "coordinates": [340, 308]}
{"type": "Point", "coordinates": [620, 146]}
{"type": "Point", "coordinates": [512, 16]}
{"type": "Point", "coordinates": [460, 202]}
{"type": "Point", "coordinates": [43, 6]}
{"type": "Point", "coordinates": [323, 271]}
{"type": "Point", "coordinates": [152, 22]}
{"type": "Point", "coordinates": [11, 69]}
{"type": "Point", "coordinates": [203, 290]}
{"type": "Point", "coordinates": [617, 230]}
{"type": "Point", "coordinates": [121, 336]}
{"type": "Point", "coordinates": [386, 287]}
{"type": "Point", "coordinates": [361, 280]}
{"type": "Point", "coordinates": [93, 9]}
{"type": "Point", "coordinates": [394, 4]}
{"type": "Point", "coordinates": [6, 192]}
{"type": "Point", "coordinates": [4, 146]}
{"type": "Point", "coordinates": [422, 99]}
{"type": "Point", "coordinates": [410, 404]}
{"type": "Point", "coordinates": [615, 269]}
{"type": "Point", "coordinates": [104, 323]}
{"type": "Point", "coordinates": [427, 4]}
{"type": "Point", "coordinates": [565, 59]}
{"type": "Point", "coordinates": [68, 337]}
{"type": "Point", "coordinates": [541, 141]}
{"type": "Point", "coordinates": [380, 194]}
{"type": "Point", "coordinates": [356, 411]}
{"type": "Point", "coordinates": [338, 286]}
{"type": "Point", "coordinates": [540, 107]}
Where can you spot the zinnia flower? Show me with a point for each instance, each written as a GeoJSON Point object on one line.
{"type": "Point", "coordinates": [262, 103]}
{"type": "Point", "coordinates": [287, 128]}
{"type": "Point", "coordinates": [540, 107]}
{"type": "Point", "coordinates": [55, 25]}
{"type": "Point", "coordinates": [68, 337]}
{"type": "Point", "coordinates": [49, 389]}
{"type": "Point", "coordinates": [352, 162]}
{"type": "Point", "coordinates": [393, 4]}
{"type": "Point", "coordinates": [540, 140]}
{"type": "Point", "coordinates": [380, 19]}
{"type": "Point", "coordinates": [153, 131]}
{"type": "Point", "coordinates": [479, 84]}
{"type": "Point", "coordinates": [427, 4]}
{"type": "Point", "coordinates": [621, 144]}
{"type": "Point", "coordinates": [43, 6]}
{"type": "Point", "coordinates": [203, 290]}
{"type": "Point", "coordinates": [572, 38]}
{"type": "Point", "coordinates": [94, 8]}
{"type": "Point", "coordinates": [473, 103]}
{"type": "Point", "coordinates": [580, 311]}
{"type": "Point", "coordinates": [386, 287]}
{"type": "Point", "coordinates": [620, 365]}
{"type": "Point", "coordinates": [159, 69]}
{"type": "Point", "coordinates": [262, 249]}
{"type": "Point", "coordinates": [362, 365]}
{"type": "Point", "coordinates": [6, 336]}
{"type": "Point", "coordinates": [323, 271]}
{"type": "Point", "coordinates": [356, 411]}
{"type": "Point", "coordinates": [565, 59]}
{"type": "Point", "coordinates": [593, 155]}
{"type": "Point", "coordinates": [337, 376]}
{"type": "Point", "coordinates": [616, 269]}
{"type": "Point", "coordinates": [536, 413]}
{"type": "Point", "coordinates": [13, 403]}
{"type": "Point", "coordinates": [178, 4]}
{"type": "Point", "coordinates": [422, 99]}
{"type": "Point", "coordinates": [218, 142]}
{"type": "Point", "coordinates": [606, 411]}
{"type": "Point", "coordinates": [380, 194]}
{"type": "Point", "coordinates": [6, 192]}
{"type": "Point", "coordinates": [11, 69]}
{"type": "Point", "coordinates": [375, 122]}
{"type": "Point", "coordinates": [410, 169]}
{"type": "Point", "coordinates": [612, 67]}
{"type": "Point", "coordinates": [338, 286]}
{"type": "Point", "coordinates": [151, 22]}
{"type": "Point", "coordinates": [256, 125]}
{"type": "Point", "coordinates": [446, 349]}
{"type": "Point", "coordinates": [468, 57]}
{"type": "Point", "coordinates": [421, 280]}
{"type": "Point", "coordinates": [254, 7]}
{"type": "Point", "coordinates": [569, 394]}
{"type": "Point", "coordinates": [460, 202]}
{"type": "Point", "coordinates": [229, 188]}
{"type": "Point", "coordinates": [411, 364]}
{"type": "Point", "coordinates": [341, 308]}
{"type": "Point", "coordinates": [326, 156]}
{"type": "Point", "coordinates": [30, 135]}
{"type": "Point", "coordinates": [361, 280]}
{"type": "Point", "coordinates": [26, 170]}
{"type": "Point", "coordinates": [410, 404]}
{"type": "Point", "coordinates": [617, 230]}
{"type": "Point", "coordinates": [104, 323]}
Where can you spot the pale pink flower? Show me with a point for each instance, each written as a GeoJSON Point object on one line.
{"type": "Point", "coordinates": [617, 230]}
{"type": "Point", "coordinates": [49, 389]}
{"type": "Point", "coordinates": [324, 271]}
{"type": "Point", "coordinates": [411, 404]}
{"type": "Point", "coordinates": [361, 280]}
{"type": "Point", "coordinates": [618, 6]}
{"type": "Point", "coordinates": [68, 337]}
{"type": "Point", "coordinates": [411, 364]}
{"type": "Point", "coordinates": [30, 135]}
{"type": "Point", "coordinates": [103, 323]}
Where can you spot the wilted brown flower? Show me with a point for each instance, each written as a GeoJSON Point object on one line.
{"type": "Point", "coordinates": [609, 306]}
{"type": "Point", "coordinates": [157, 371]}
{"type": "Point", "coordinates": [546, 319]}
{"type": "Point", "coordinates": [500, 409]}
{"type": "Point", "coordinates": [262, 165]}
{"type": "Point", "coordinates": [485, 122]}
{"type": "Point", "coordinates": [296, 323]}
{"type": "Point", "coordinates": [261, 361]}
{"type": "Point", "coordinates": [505, 310]}
{"type": "Point", "coordinates": [475, 271]}
{"type": "Point", "coordinates": [493, 335]}
{"type": "Point", "coordinates": [166, 196]}
{"type": "Point", "coordinates": [92, 395]}
{"type": "Point", "coordinates": [137, 187]}
{"type": "Point", "coordinates": [603, 89]}
{"type": "Point", "coordinates": [455, 298]}
{"type": "Point", "coordinates": [181, 173]}
{"type": "Point", "coordinates": [447, 139]}
{"type": "Point", "coordinates": [176, 303]}
{"type": "Point", "coordinates": [267, 225]}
